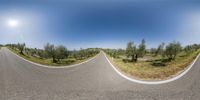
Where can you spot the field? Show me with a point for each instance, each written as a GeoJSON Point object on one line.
{"type": "Point", "coordinates": [154, 68]}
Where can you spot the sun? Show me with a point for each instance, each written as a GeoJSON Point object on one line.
{"type": "Point", "coordinates": [13, 23]}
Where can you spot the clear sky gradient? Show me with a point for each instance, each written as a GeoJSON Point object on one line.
{"type": "Point", "coordinates": [99, 24]}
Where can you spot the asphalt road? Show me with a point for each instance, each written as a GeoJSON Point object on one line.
{"type": "Point", "coordinates": [94, 80]}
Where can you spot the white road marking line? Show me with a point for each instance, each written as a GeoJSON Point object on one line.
{"type": "Point", "coordinates": [153, 82]}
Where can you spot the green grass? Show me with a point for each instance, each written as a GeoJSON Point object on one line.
{"type": "Point", "coordinates": [154, 69]}
{"type": "Point", "coordinates": [63, 62]}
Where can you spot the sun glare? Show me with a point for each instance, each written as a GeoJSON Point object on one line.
{"type": "Point", "coordinates": [13, 23]}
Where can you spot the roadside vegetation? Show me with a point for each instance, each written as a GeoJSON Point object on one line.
{"type": "Point", "coordinates": [162, 62]}
{"type": "Point", "coordinates": [0, 46]}
{"type": "Point", "coordinates": [53, 55]}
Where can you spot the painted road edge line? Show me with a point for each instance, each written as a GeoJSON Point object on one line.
{"type": "Point", "coordinates": [152, 82]}
{"type": "Point", "coordinates": [46, 66]}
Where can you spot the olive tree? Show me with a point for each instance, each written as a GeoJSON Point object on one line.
{"type": "Point", "coordinates": [21, 47]}
{"type": "Point", "coordinates": [131, 51]}
{"type": "Point", "coordinates": [172, 49]}
{"type": "Point", "coordinates": [51, 51]}
{"type": "Point", "coordinates": [160, 49]}
{"type": "Point", "coordinates": [190, 48]}
{"type": "Point", "coordinates": [42, 53]}
{"type": "Point", "coordinates": [61, 52]}
{"type": "Point", "coordinates": [153, 51]}
{"type": "Point", "coordinates": [142, 48]}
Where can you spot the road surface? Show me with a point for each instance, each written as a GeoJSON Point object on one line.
{"type": "Point", "coordinates": [94, 80]}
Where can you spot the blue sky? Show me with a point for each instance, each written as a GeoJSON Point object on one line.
{"type": "Point", "coordinates": [99, 24]}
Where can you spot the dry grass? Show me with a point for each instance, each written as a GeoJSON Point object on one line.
{"type": "Point", "coordinates": [147, 71]}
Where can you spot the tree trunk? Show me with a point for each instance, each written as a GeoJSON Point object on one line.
{"type": "Point", "coordinates": [136, 56]}
{"type": "Point", "coordinates": [132, 58]}
{"type": "Point", "coordinates": [21, 52]}
{"type": "Point", "coordinates": [54, 59]}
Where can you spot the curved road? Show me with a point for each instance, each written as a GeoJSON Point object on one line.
{"type": "Point", "coordinates": [94, 80]}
